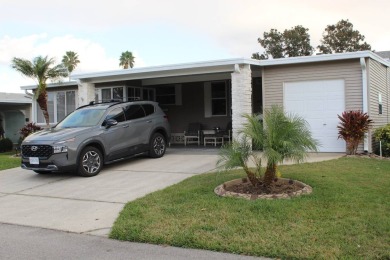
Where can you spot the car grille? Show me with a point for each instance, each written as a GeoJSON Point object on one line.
{"type": "Point", "coordinates": [41, 151]}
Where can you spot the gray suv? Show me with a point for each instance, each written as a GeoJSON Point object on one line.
{"type": "Point", "coordinates": [98, 134]}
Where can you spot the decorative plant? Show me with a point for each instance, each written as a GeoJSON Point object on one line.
{"type": "Point", "coordinates": [353, 125]}
{"type": "Point", "coordinates": [383, 134]}
{"type": "Point", "coordinates": [280, 136]}
{"type": "Point", "coordinates": [28, 129]}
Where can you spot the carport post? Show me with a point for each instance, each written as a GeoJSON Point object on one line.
{"type": "Point", "coordinates": [241, 96]}
{"type": "Point", "coordinates": [86, 92]}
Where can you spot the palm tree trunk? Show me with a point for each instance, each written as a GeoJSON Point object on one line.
{"type": "Point", "coordinates": [42, 102]}
{"type": "Point", "coordinates": [270, 174]}
{"type": "Point", "coordinates": [252, 177]}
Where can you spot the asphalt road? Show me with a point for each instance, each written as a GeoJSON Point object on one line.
{"type": "Point", "coordinates": [20, 242]}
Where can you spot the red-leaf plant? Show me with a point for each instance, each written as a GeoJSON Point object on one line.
{"type": "Point", "coordinates": [353, 125]}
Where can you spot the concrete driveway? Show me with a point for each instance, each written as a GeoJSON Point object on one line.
{"type": "Point", "coordinates": [90, 205]}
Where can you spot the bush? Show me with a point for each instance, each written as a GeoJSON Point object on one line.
{"type": "Point", "coordinates": [383, 134]}
{"type": "Point", "coordinates": [6, 145]}
{"type": "Point", "coordinates": [353, 125]}
{"type": "Point", "coordinates": [28, 129]}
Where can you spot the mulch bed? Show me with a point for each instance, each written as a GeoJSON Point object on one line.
{"type": "Point", "coordinates": [279, 186]}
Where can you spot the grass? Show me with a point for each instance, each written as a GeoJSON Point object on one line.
{"type": "Point", "coordinates": [8, 162]}
{"type": "Point", "coordinates": [347, 216]}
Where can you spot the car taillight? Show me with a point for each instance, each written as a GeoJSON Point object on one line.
{"type": "Point", "coordinates": [166, 117]}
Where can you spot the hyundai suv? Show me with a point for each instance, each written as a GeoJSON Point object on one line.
{"type": "Point", "coordinates": [97, 134]}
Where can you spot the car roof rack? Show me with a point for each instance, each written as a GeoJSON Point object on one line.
{"type": "Point", "coordinates": [112, 102]}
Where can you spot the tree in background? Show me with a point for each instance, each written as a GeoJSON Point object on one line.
{"type": "Point", "coordinates": [70, 61]}
{"type": "Point", "coordinates": [40, 69]}
{"type": "Point", "coordinates": [126, 60]}
{"type": "Point", "coordinates": [291, 43]}
{"type": "Point", "coordinates": [341, 37]}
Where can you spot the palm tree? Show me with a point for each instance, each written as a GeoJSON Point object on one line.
{"type": "Point", "coordinates": [281, 136]}
{"type": "Point", "coordinates": [40, 69]}
{"type": "Point", "coordinates": [126, 60]}
{"type": "Point", "coordinates": [70, 61]}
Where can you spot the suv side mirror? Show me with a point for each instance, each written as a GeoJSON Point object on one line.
{"type": "Point", "coordinates": [110, 122]}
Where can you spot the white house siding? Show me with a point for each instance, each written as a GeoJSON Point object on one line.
{"type": "Point", "coordinates": [377, 83]}
{"type": "Point", "coordinates": [350, 71]}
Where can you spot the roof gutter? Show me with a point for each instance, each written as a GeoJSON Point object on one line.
{"type": "Point", "coordinates": [365, 95]}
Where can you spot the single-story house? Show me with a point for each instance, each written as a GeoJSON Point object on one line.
{"type": "Point", "coordinates": [15, 112]}
{"type": "Point", "coordinates": [216, 93]}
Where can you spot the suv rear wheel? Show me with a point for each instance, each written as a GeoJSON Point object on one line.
{"type": "Point", "coordinates": [90, 162]}
{"type": "Point", "coordinates": [157, 146]}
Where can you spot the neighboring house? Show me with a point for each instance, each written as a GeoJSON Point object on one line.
{"type": "Point", "coordinates": [384, 54]}
{"type": "Point", "coordinates": [15, 112]}
{"type": "Point", "coordinates": [215, 93]}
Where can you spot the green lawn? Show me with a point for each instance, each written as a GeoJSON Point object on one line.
{"type": "Point", "coordinates": [346, 216]}
{"type": "Point", "coordinates": [7, 161]}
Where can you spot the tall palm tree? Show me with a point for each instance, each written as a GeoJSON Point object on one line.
{"type": "Point", "coordinates": [70, 60]}
{"type": "Point", "coordinates": [126, 60]}
{"type": "Point", "coordinates": [41, 69]}
{"type": "Point", "coordinates": [280, 136]}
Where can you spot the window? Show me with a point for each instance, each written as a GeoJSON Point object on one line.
{"type": "Point", "coordinates": [215, 94]}
{"type": "Point", "coordinates": [218, 99]}
{"type": "Point", "coordinates": [134, 112]}
{"type": "Point", "coordinates": [116, 114]}
{"type": "Point", "coordinates": [149, 109]}
{"type": "Point", "coordinates": [133, 93]}
{"type": "Point", "coordinates": [113, 93]}
{"type": "Point", "coordinates": [59, 105]}
{"type": "Point", "coordinates": [166, 95]}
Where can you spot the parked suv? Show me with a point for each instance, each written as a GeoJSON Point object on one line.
{"type": "Point", "coordinates": [98, 134]}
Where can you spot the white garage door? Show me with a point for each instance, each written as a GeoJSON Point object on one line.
{"type": "Point", "coordinates": [319, 102]}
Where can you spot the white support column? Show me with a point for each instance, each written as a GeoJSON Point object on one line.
{"type": "Point", "coordinates": [86, 93]}
{"type": "Point", "coordinates": [241, 96]}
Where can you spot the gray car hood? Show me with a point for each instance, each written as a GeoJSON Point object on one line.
{"type": "Point", "coordinates": [56, 134]}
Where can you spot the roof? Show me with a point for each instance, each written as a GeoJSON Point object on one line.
{"type": "Point", "coordinates": [15, 98]}
{"type": "Point", "coordinates": [207, 67]}
{"type": "Point", "coordinates": [384, 54]}
{"type": "Point", "coordinates": [52, 85]}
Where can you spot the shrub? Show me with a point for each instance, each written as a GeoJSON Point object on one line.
{"type": "Point", "coordinates": [6, 145]}
{"type": "Point", "coordinates": [383, 134]}
{"type": "Point", "coordinates": [28, 129]}
{"type": "Point", "coordinates": [353, 125]}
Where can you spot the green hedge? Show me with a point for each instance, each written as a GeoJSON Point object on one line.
{"type": "Point", "coordinates": [6, 145]}
{"type": "Point", "coordinates": [383, 134]}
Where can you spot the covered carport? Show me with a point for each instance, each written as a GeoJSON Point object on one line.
{"type": "Point", "coordinates": [214, 94]}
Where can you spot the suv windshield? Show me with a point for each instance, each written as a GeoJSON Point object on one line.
{"type": "Point", "coordinates": [82, 118]}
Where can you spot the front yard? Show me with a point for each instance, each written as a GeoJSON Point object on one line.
{"type": "Point", "coordinates": [7, 161]}
{"type": "Point", "coordinates": [346, 216]}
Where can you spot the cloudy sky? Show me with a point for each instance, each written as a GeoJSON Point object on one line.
{"type": "Point", "coordinates": [166, 32]}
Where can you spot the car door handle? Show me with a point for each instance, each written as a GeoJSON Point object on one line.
{"type": "Point", "coordinates": [125, 126]}
{"type": "Point", "coordinates": [149, 121]}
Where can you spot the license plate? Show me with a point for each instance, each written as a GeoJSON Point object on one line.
{"type": "Point", "coordinates": [34, 160]}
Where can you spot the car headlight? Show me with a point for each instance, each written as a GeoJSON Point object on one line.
{"type": "Point", "coordinates": [61, 147]}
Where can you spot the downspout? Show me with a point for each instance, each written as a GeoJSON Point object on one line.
{"type": "Point", "coordinates": [365, 96]}
{"type": "Point", "coordinates": [33, 106]}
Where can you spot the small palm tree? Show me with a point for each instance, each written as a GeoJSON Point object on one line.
{"type": "Point", "coordinates": [40, 69]}
{"type": "Point", "coordinates": [70, 60]}
{"type": "Point", "coordinates": [126, 60]}
{"type": "Point", "coordinates": [281, 136]}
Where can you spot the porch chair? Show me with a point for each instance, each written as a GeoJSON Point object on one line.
{"type": "Point", "coordinates": [193, 134]}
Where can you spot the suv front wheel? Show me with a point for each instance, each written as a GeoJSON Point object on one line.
{"type": "Point", "coordinates": [90, 162]}
{"type": "Point", "coordinates": [157, 146]}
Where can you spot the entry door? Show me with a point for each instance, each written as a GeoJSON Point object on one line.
{"type": "Point", "coordinates": [319, 103]}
